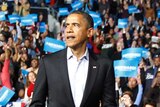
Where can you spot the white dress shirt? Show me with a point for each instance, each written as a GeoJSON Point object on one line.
{"type": "Point", "coordinates": [78, 71]}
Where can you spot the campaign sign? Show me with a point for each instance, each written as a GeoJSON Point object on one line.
{"type": "Point", "coordinates": [13, 18]}
{"type": "Point", "coordinates": [133, 9]}
{"type": "Point", "coordinates": [5, 95]}
{"type": "Point", "coordinates": [47, 1]}
{"type": "Point", "coordinates": [24, 72]}
{"type": "Point", "coordinates": [126, 68]}
{"type": "Point", "coordinates": [24, 75]}
{"type": "Point", "coordinates": [94, 14]}
{"type": "Point", "coordinates": [76, 5]}
{"type": "Point", "coordinates": [2, 16]}
{"type": "Point", "coordinates": [53, 45]}
{"type": "Point", "coordinates": [145, 53]}
{"type": "Point", "coordinates": [63, 11]}
{"type": "Point", "coordinates": [26, 21]}
{"type": "Point", "coordinates": [97, 22]}
{"type": "Point", "coordinates": [158, 14]}
{"type": "Point", "coordinates": [42, 27]}
{"type": "Point", "coordinates": [131, 53]}
{"type": "Point", "coordinates": [33, 16]}
{"type": "Point", "coordinates": [122, 23]}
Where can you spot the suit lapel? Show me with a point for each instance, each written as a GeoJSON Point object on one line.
{"type": "Point", "coordinates": [65, 77]}
{"type": "Point", "coordinates": [92, 72]}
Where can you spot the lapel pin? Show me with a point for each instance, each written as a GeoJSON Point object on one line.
{"type": "Point", "coordinates": [94, 67]}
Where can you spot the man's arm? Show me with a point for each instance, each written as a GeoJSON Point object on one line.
{"type": "Point", "coordinates": [109, 99]}
{"type": "Point", "coordinates": [41, 87]}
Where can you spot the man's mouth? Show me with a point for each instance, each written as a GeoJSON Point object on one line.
{"type": "Point", "coordinates": [70, 37]}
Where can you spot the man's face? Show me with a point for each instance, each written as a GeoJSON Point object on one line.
{"type": "Point", "coordinates": [76, 31]}
{"type": "Point", "coordinates": [157, 61]}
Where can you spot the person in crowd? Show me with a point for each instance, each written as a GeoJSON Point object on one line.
{"type": "Point", "coordinates": [5, 79]}
{"type": "Point", "coordinates": [97, 40]}
{"type": "Point", "coordinates": [150, 73]}
{"type": "Point", "coordinates": [134, 85]}
{"type": "Point", "coordinates": [154, 93]}
{"type": "Point", "coordinates": [103, 6]}
{"type": "Point", "coordinates": [34, 65]}
{"type": "Point", "coordinates": [127, 100]}
{"type": "Point", "coordinates": [22, 7]}
{"type": "Point", "coordinates": [66, 82]}
{"type": "Point", "coordinates": [150, 103]}
{"type": "Point", "coordinates": [149, 11]}
{"type": "Point", "coordinates": [31, 77]}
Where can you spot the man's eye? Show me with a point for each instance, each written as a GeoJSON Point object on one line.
{"type": "Point", "coordinates": [75, 24]}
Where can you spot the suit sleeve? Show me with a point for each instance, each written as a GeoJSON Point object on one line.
{"type": "Point", "coordinates": [41, 87]}
{"type": "Point", "coordinates": [109, 99]}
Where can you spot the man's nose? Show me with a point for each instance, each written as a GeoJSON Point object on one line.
{"type": "Point", "coordinates": [69, 29]}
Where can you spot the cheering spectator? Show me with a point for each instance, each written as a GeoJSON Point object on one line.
{"type": "Point", "coordinates": [22, 7]}
{"type": "Point", "coordinates": [5, 79]}
{"type": "Point", "coordinates": [154, 92]}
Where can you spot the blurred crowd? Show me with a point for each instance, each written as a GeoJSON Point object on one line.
{"type": "Point", "coordinates": [21, 47]}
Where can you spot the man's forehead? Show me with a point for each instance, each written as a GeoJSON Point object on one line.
{"type": "Point", "coordinates": [74, 16]}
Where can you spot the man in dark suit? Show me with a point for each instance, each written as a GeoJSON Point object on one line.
{"type": "Point", "coordinates": [75, 77]}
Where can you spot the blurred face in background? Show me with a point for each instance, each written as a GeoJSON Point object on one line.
{"type": "Point", "coordinates": [2, 37]}
{"type": "Point", "coordinates": [34, 63]}
{"type": "Point", "coordinates": [157, 61]}
{"type": "Point", "coordinates": [132, 83]}
{"type": "Point", "coordinates": [31, 77]}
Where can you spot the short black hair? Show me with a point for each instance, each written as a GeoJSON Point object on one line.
{"type": "Point", "coordinates": [150, 102]}
{"type": "Point", "coordinates": [87, 17]}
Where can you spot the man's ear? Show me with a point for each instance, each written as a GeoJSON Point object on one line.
{"type": "Point", "coordinates": [90, 32]}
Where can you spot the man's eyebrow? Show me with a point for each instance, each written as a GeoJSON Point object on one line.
{"type": "Point", "coordinates": [72, 23]}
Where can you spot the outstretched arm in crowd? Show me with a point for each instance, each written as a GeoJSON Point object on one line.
{"type": "Point", "coordinates": [140, 91]}
{"type": "Point", "coordinates": [5, 75]}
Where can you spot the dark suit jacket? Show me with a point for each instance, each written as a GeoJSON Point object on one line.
{"type": "Point", "coordinates": [53, 81]}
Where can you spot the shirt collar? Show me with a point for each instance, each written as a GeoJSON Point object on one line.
{"type": "Point", "coordinates": [70, 54]}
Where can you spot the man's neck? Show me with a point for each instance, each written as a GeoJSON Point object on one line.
{"type": "Point", "coordinates": [78, 52]}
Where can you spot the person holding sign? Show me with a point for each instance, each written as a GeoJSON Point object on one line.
{"type": "Point", "coordinates": [75, 77]}
{"type": "Point", "coordinates": [4, 72]}
{"type": "Point", "coordinates": [22, 7]}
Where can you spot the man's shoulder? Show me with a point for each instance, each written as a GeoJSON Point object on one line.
{"type": "Point", "coordinates": [55, 55]}
{"type": "Point", "coordinates": [103, 60]}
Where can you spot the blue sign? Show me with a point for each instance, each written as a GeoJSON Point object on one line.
{"type": "Point", "coordinates": [126, 68]}
{"type": "Point", "coordinates": [94, 14]}
{"type": "Point", "coordinates": [76, 5]}
{"type": "Point", "coordinates": [131, 53]}
{"type": "Point", "coordinates": [42, 27]}
{"type": "Point", "coordinates": [158, 14]}
{"type": "Point", "coordinates": [53, 45]}
{"type": "Point", "coordinates": [2, 16]}
{"type": "Point", "coordinates": [13, 18]}
{"type": "Point", "coordinates": [24, 75]}
{"type": "Point", "coordinates": [133, 9]}
{"type": "Point", "coordinates": [145, 53]}
{"type": "Point", "coordinates": [97, 22]}
{"type": "Point", "coordinates": [96, 18]}
{"type": "Point", "coordinates": [122, 23]}
{"type": "Point", "coordinates": [33, 16]}
{"type": "Point", "coordinates": [24, 72]}
{"type": "Point", "coordinates": [26, 21]}
{"type": "Point", "coordinates": [63, 11]}
{"type": "Point", "coordinates": [5, 95]}
{"type": "Point", "coordinates": [47, 1]}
